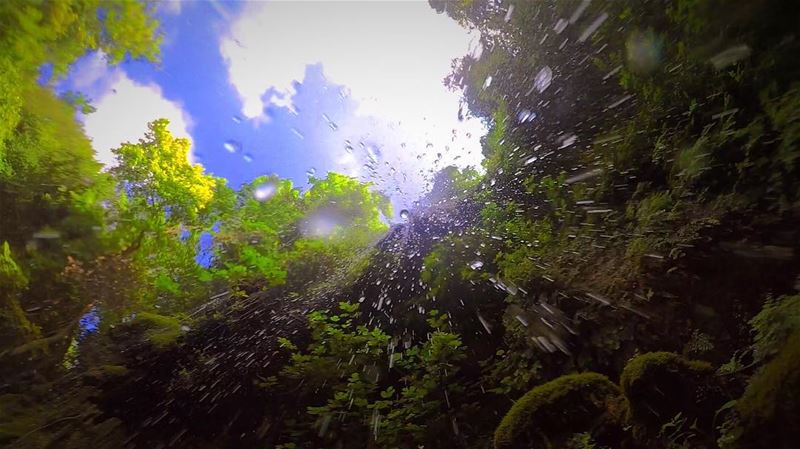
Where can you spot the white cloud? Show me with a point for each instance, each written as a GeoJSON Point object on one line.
{"type": "Point", "coordinates": [391, 56]}
{"type": "Point", "coordinates": [171, 6]}
{"type": "Point", "coordinates": [91, 73]}
{"type": "Point", "coordinates": [123, 107]}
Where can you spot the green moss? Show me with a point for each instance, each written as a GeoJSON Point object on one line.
{"type": "Point", "coordinates": [14, 324]}
{"type": "Point", "coordinates": [692, 161]}
{"type": "Point", "coordinates": [18, 416]}
{"type": "Point", "coordinates": [769, 409]}
{"type": "Point", "coordinates": [555, 411]}
{"type": "Point", "coordinates": [638, 369]}
{"type": "Point", "coordinates": [162, 330]}
{"type": "Point", "coordinates": [650, 210]}
{"type": "Point", "coordinates": [105, 373]}
{"type": "Point", "coordinates": [778, 319]}
{"type": "Point", "coordinates": [15, 328]}
{"type": "Point", "coordinates": [34, 422]}
{"type": "Point", "coordinates": [659, 385]}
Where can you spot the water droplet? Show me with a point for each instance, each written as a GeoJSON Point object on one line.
{"type": "Point", "coordinates": [599, 211]}
{"type": "Point", "coordinates": [729, 56]}
{"type": "Point", "coordinates": [567, 141]}
{"type": "Point", "coordinates": [47, 234]}
{"type": "Point", "coordinates": [248, 157]}
{"type": "Point", "coordinates": [599, 298]}
{"type": "Point", "coordinates": [232, 146]}
{"type": "Point", "coordinates": [488, 82]}
{"type": "Point", "coordinates": [484, 323]}
{"type": "Point", "coordinates": [531, 160]}
{"type": "Point", "coordinates": [643, 51]}
{"type": "Point", "coordinates": [619, 102]}
{"type": "Point", "coordinates": [330, 122]}
{"type": "Point", "coordinates": [584, 176]}
{"type": "Point", "coordinates": [579, 11]}
{"type": "Point", "coordinates": [264, 191]}
{"type": "Point", "coordinates": [404, 214]}
{"type": "Point", "coordinates": [587, 33]}
{"type": "Point", "coordinates": [509, 13]}
{"type": "Point", "coordinates": [476, 264]}
{"type": "Point", "coordinates": [373, 153]}
{"type": "Point", "coordinates": [311, 171]}
{"type": "Point", "coordinates": [525, 115]}
{"type": "Point", "coordinates": [560, 26]}
{"type": "Point", "coordinates": [543, 79]}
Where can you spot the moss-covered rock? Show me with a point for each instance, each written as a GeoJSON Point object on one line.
{"type": "Point", "coordinates": [769, 410]}
{"type": "Point", "coordinates": [104, 373]}
{"type": "Point", "coordinates": [31, 421]}
{"type": "Point", "coordinates": [552, 413]}
{"type": "Point", "coordinates": [659, 385]}
{"type": "Point", "coordinates": [18, 416]}
{"type": "Point", "coordinates": [160, 330]}
{"type": "Point", "coordinates": [15, 328]}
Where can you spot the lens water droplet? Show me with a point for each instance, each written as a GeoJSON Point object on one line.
{"type": "Point", "coordinates": [232, 146]}
{"type": "Point", "coordinates": [330, 122]}
{"type": "Point", "coordinates": [264, 191]}
{"type": "Point", "coordinates": [525, 115]}
{"type": "Point", "coordinates": [567, 141]}
{"type": "Point", "coordinates": [543, 79]}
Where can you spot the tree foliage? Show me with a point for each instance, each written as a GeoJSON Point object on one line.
{"type": "Point", "coordinates": [637, 205]}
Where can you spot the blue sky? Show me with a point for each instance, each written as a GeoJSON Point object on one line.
{"type": "Point", "coordinates": [294, 88]}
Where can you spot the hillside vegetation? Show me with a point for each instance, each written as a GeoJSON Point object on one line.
{"type": "Point", "coordinates": [622, 272]}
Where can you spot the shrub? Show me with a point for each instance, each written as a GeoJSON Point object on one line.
{"type": "Point", "coordinates": [570, 404]}
{"type": "Point", "coordinates": [661, 385]}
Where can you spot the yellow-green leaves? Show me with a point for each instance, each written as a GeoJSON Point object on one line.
{"type": "Point", "coordinates": [157, 172]}
{"type": "Point", "coordinates": [11, 277]}
{"type": "Point", "coordinates": [130, 29]}
{"type": "Point", "coordinates": [60, 32]}
{"type": "Point", "coordinates": [346, 203]}
{"type": "Point", "coordinates": [276, 235]}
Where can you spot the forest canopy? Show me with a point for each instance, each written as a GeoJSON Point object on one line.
{"type": "Point", "coordinates": [622, 271]}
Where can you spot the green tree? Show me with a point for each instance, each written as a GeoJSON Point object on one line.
{"type": "Point", "coordinates": [57, 33]}
{"type": "Point", "coordinates": [255, 236]}
{"type": "Point", "coordinates": [163, 205]}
